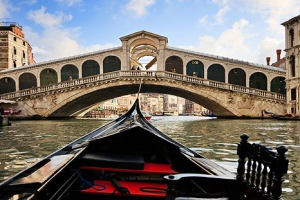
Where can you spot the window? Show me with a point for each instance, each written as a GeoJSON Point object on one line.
{"type": "Point", "coordinates": [24, 43]}
{"type": "Point", "coordinates": [23, 54]}
{"type": "Point", "coordinates": [292, 37]}
{"type": "Point", "coordinates": [15, 38]}
{"type": "Point", "coordinates": [292, 66]}
{"type": "Point", "coordinates": [293, 94]}
{"type": "Point", "coordinates": [15, 51]}
{"type": "Point", "coordinates": [15, 64]}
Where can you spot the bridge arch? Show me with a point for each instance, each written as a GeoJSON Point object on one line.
{"type": "Point", "coordinates": [258, 80]}
{"type": "Point", "coordinates": [195, 68]}
{"type": "Point", "coordinates": [145, 53]}
{"type": "Point", "coordinates": [68, 72]}
{"type": "Point", "coordinates": [111, 63]}
{"type": "Point", "coordinates": [90, 67]}
{"type": "Point", "coordinates": [27, 80]}
{"type": "Point", "coordinates": [7, 85]}
{"type": "Point", "coordinates": [278, 85]}
{"type": "Point", "coordinates": [48, 76]}
{"type": "Point", "coordinates": [237, 76]}
{"type": "Point", "coordinates": [216, 72]}
{"type": "Point", "coordinates": [174, 64]}
{"type": "Point", "coordinates": [135, 42]}
{"type": "Point", "coordinates": [75, 104]}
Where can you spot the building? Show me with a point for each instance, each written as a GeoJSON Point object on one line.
{"type": "Point", "coordinates": [280, 62]}
{"type": "Point", "coordinates": [292, 49]}
{"type": "Point", "coordinates": [15, 50]}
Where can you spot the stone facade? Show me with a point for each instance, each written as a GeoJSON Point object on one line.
{"type": "Point", "coordinates": [292, 48]}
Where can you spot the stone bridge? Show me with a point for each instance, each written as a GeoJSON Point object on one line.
{"type": "Point", "coordinates": [72, 97]}
{"type": "Point", "coordinates": [67, 86]}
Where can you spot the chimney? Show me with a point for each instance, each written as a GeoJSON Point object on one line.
{"type": "Point", "coordinates": [268, 60]}
{"type": "Point", "coordinates": [278, 51]}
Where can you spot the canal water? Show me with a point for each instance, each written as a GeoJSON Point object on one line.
{"type": "Point", "coordinates": [27, 141]}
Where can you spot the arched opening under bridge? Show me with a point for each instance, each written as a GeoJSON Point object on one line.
{"type": "Point", "coordinates": [79, 104]}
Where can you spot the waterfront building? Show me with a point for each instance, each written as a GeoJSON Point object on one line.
{"type": "Point", "coordinates": [173, 105]}
{"type": "Point", "coordinates": [292, 49]}
{"type": "Point", "coordinates": [125, 103]}
{"type": "Point", "coordinates": [15, 50]}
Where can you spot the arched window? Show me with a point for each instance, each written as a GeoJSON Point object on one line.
{"type": "Point", "coordinates": [26, 81]}
{"type": "Point", "coordinates": [195, 68]}
{"type": "Point", "coordinates": [7, 85]}
{"type": "Point", "coordinates": [90, 68]}
{"type": "Point", "coordinates": [258, 80]}
{"type": "Point", "coordinates": [292, 66]}
{"type": "Point", "coordinates": [216, 72]}
{"type": "Point", "coordinates": [111, 63]}
{"type": "Point", "coordinates": [237, 76]}
{"type": "Point", "coordinates": [174, 64]}
{"type": "Point", "coordinates": [14, 64]}
{"type": "Point", "coordinates": [292, 37]}
{"type": "Point", "coordinates": [69, 72]}
{"type": "Point", "coordinates": [278, 85]}
{"type": "Point", "coordinates": [48, 76]}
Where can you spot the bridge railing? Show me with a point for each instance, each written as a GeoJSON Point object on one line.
{"type": "Point", "coordinates": [142, 74]}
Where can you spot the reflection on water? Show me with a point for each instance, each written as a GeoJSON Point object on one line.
{"type": "Point", "coordinates": [216, 139]}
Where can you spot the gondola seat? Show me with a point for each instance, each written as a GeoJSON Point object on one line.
{"type": "Point", "coordinates": [191, 198]}
{"type": "Point", "coordinates": [96, 159]}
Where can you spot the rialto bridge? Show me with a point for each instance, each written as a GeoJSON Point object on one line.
{"type": "Point", "coordinates": [68, 86]}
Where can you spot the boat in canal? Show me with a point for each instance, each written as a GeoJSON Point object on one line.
{"type": "Point", "coordinates": [129, 158]}
{"type": "Point", "coordinates": [146, 115]}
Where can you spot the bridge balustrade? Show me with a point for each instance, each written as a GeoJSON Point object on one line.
{"type": "Point", "coordinates": [143, 74]}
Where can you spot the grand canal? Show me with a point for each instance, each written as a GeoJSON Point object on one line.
{"type": "Point", "coordinates": [26, 141]}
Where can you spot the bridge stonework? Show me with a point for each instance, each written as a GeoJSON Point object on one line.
{"type": "Point", "coordinates": [72, 97]}
{"type": "Point", "coordinates": [61, 97]}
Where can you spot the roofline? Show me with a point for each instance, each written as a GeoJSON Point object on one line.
{"type": "Point", "coordinates": [61, 59]}
{"type": "Point", "coordinates": [141, 32]}
{"type": "Point", "coordinates": [171, 48]}
{"type": "Point", "coordinates": [228, 59]}
{"type": "Point", "coordinates": [292, 20]}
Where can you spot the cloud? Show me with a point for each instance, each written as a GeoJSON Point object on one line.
{"type": "Point", "coordinates": [267, 48]}
{"type": "Point", "coordinates": [4, 8]}
{"type": "Point", "coordinates": [139, 7]}
{"type": "Point", "coordinates": [231, 43]}
{"type": "Point", "coordinates": [29, 2]}
{"type": "Point", "coordinates": [275, 12]}
{"type": "Point", "coordinates": [69, 2]}
{"type": "Point", "coordinates": [56, 41]}
{"type": "Point", "coordinates": [218, 18]}
{"type": "Point", "coordinates": [45, 19]}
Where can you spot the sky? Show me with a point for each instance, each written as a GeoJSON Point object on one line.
{"type": "Point", "coordinates": [248, 30]}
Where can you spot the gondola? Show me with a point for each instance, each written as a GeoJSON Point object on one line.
{"type": "Point", "coordinates": [126, 159]}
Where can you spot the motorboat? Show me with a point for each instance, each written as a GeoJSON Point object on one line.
{"type": "Point", "coordinates": [146, 115]}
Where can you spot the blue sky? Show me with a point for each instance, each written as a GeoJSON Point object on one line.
{"type": "Point", "coordinates": [248, 30]}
